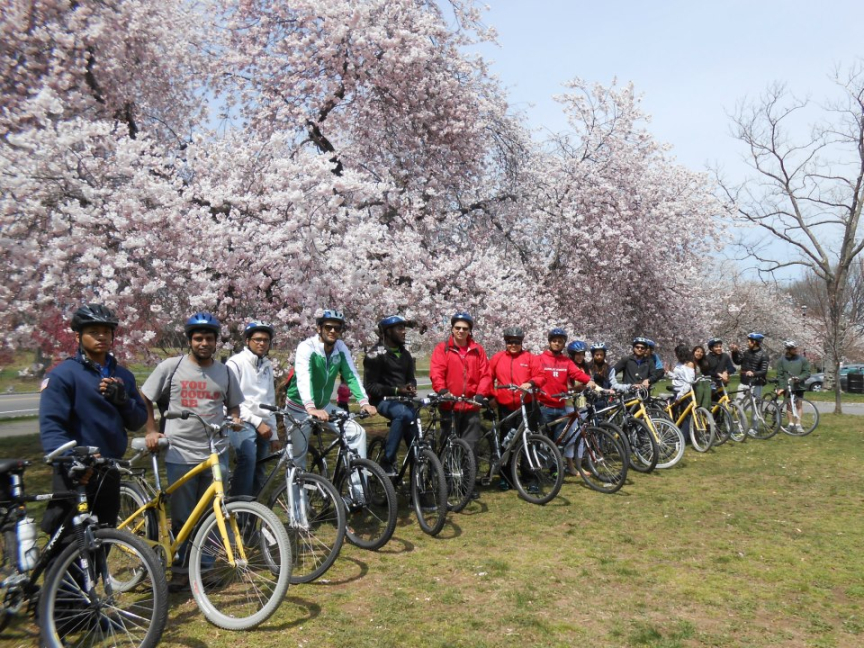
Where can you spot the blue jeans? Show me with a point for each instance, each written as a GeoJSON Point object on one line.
{"type": "Point", "coordinates": [549, 414]}
{"type": "Point", "coordinates": [249, 449]}
{"type": "Point", "coordinates": [402, 425]}
{"type": "Point", "coordinates": [184, 499]}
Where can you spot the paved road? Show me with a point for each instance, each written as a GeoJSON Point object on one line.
{"type": "Point", "coordinates": [23, 404]}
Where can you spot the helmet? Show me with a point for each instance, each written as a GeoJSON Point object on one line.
{"type": "Point", "coordinates": [252, 327]}
{"type": "Point", "coordinates": [641, 340]}
{"type": "Point", "coordinates": [577, 346]}
{"type": "Point", "coordinates": [328, 314]}
{"type": "Point", "coordinates": [393, 320]}
{"type": "Point", "coordinates": [202, 321]}
{"type": "Point", "coordinates": [93, 314]}
{"type": "Point", "coordinates": [758, 337]}
{"type": "Point", "coordinates": [557, 332]}
{"type": "Point", "coordinates": [465, 317]}
{"type": "Point", "coordinates": [714, 342]}
{"type": "Point", "coordinates": [599, 346]}
{"type": "Point", "coordinates": [514, 332]}
{"type": "Point", "coordinates": [790, 344]}
{"type": "Point", "coordinates": [651, 344]}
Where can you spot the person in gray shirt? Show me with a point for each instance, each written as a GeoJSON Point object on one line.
{"type": "Point", "coordinates": [192, 382]}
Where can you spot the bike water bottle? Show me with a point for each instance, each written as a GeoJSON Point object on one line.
{"type": "Point", "coordinates": [509, 437]}
{"type": "Point", "coordinates": [27, 551]}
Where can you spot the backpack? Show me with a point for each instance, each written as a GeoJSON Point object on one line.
{"type": "Point", "coordinates": [164, 399]}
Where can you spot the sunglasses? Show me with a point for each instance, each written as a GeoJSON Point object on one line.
{"type": "Point", "coordinates": [513, 342]}
{"type": "Point", "coordinates": [461, 328]}
{"type": "Point", "coordinates": [336, 328]}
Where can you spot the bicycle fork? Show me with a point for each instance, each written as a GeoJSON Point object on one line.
{"type": "Point", "coordinates": [297, 502]}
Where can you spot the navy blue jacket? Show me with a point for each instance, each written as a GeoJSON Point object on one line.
{"type": "Point", "coordinates": [72, 407]}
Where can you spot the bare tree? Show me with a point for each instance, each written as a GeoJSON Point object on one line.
{"type": "Point", "coordinates": [806, 196]}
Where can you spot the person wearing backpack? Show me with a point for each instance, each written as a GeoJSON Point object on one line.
{"type": "Point", "coordinates": [198, 383]}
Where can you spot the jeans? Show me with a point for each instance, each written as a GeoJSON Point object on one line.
{"type": "Point", "coordinates": [549, 414]}
{"type": "Point", "coordinates": [402, 426]}
{"type": "Point", "coordinates": [184, 499]}
{"type": "Point", "coordinates": [249, 449]}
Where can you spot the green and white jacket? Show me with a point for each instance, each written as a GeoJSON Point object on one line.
{"type": "Point", "coordinates": [314, 375]}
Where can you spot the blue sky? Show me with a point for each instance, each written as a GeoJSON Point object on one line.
{"type": "Point", "coordinates": [692, 61]}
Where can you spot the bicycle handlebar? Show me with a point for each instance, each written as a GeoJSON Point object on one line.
{"type": "Point", "coordinates": [213, 428]}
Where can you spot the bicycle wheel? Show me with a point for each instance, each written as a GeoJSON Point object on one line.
{"type": "Point", "coordinates": [537, 469]}
{"type": "Point", "coordinates": [132, 498]}
{"type": "Point", "coordinates": [808, 421]}
{"type": "Point", "coordinates": [375, 450]}
{"type": "Point", "coordinates": [764, 420]}
{"type": "Point", "coordinates": [702, 427]}
{"type": "Point", "coordinates": [245, 594]}
{"type": "Point", "coordinates": [643, 447]}
{"type": "Point", "coordinates": [370, 504]}
{"type": "Point", "coordinates": [670, 442]}
{"type": "Point", "coordinates": [723, 425]}
{"type": "Point", "coordinates": [316, 529]}
{"type": "Point", "coordinates": [429, 492]}
{"type": "Point", "coordinates": [484, 457]}
{"type": "Point", "coordinates": [460, 471]}
{"type": "Point", "coordinates": [71, 616]}
{"type": "Point", "coordinates": [738, 433]}
{"type": "Point", "coordinates": [603, 465]}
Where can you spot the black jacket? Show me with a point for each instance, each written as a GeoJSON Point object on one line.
{"type": "Point", "coordinates": [755, 360]}
{"type": "Point", "coordinates": [715, 365]}
{"type": "Point", "coordinates": [384, 371]}
{"type": "Point", "coordinates": [635, 371]}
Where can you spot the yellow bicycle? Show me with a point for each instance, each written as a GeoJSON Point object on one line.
{"type": "Point", "coordinates": [240, 554]}
{"type": "Point", "coordinates": [700, 421]}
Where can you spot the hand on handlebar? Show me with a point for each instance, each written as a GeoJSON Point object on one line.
{"type": "Point", "coordinates": [319, 414]}
{"type": "Point", "coordinates": [369, 410]}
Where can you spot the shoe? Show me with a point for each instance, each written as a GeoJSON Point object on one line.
{"type": "Point", "coordinates": [388, 468]}
{"type": "Point", "coordinates": [503, 485]}
{"type": "Point", "coordinates": [475, 495]}
{"type": "Point", "coordinates": [427, 503]}
{"type": "Point", "coordinates": [534, 489]}
{"type": "Point", "coordinates": [179, 583]}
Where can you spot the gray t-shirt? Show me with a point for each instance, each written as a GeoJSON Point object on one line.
{"type": "Point", "coordinates": [203, 390]}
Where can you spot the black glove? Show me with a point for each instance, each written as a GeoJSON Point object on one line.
{"type": "Point", "coordinates": [115, 393]}
{"type": "Point", "coordinates": [480, 399]}
{"type": "Point", "coordinates": [444, 392]}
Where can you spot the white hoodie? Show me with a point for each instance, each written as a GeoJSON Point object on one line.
{"type": "Point", "coordinates": [255, 376]}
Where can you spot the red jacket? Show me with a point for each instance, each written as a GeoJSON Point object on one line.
{"type": "Point", "coordinates": [462, 376]}
{"type": "Point", "coordinates": [509, 369]}
{"type": "Point", "coordinates": [555, 373]}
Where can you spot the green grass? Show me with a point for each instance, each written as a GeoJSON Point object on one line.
{"type": "Point", "coordinates": [750, 545]}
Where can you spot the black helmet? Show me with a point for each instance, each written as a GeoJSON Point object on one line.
{"type": "Point", "coordinates": [93, 314]}
{"type": "Point", "coordinates": [514, 332]}
{"type": "Point", "coordinates": [465, 317]}
{"type": "Point", "coordinates": [714, 342]}
{"type": "Point", "coordinates": [202, 322]}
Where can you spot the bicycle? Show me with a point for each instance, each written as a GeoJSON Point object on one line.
{"type": "Point", "coordinates": [762, 416]}
{"type": "Point", "coordinates": [601, 452]}
{"type": "Point", "coordinates": [701, 422]}
{"type": "Point", "coordinates": [643, 452]}
{"type": "Point", "coordinates": [729, 416]}
{"type": "Point", "coordinates": [793, 424]}
{"type": "Point", "coordinates": [365, 490]}
{"type": "Point", "coordinates": [309, 506]}
{"type": "Point", "coordinates": [239, 556]}
{"type": "Point", "coordinates": [455, 454]}
{"type": "Point", "coordinates": [667, 435]}
{"type": "Point", "coordinates": [536, 464]}
{"type": "Point", "coordinates": [86, 598]}
{"type": "Point", "coordinates": [428, 483]}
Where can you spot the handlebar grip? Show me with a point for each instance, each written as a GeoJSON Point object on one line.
{"type": "Point", "coordinates": [269, 408]}
{"type": "Point", "coordinates": [177, 415]}
{"type": "Point", "coordinates": [51, 456]}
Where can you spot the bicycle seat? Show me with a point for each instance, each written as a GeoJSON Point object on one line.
{"type": "Point", "coordinates": [139, 444]}
{"type": "Point", "coordinates": [12, 465]}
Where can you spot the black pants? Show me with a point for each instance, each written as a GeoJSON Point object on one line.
{"type": "Point", "coordinates": [103, 496]}
{"type": "Point", "coordinates": [467, 425]}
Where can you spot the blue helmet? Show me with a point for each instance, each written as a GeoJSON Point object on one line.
{"type": "Point", "coordinates": [652, 344]}
{"type": "Point", "coordinates": [756, 337]}
{"type": "Point", "coordinates": [641, 340]}
{"type": "Point", "coordinates": [714, 342]}
{"type": "Point", "coordinates": [328, 314]}
{"type": "Point", "coordinates": [202, 322]}
{"type": "Point", "coordinates": [577, 346]}
{"type": "Point", "coordinates": [464, 316]}
{"type": "Point", "coordinates": [393, 320]}
{"type": "Point", "coordinates": [599, 346]}
{"type": "Point", "coordinates": [255, 326]}
{"type": "Point", "coordinates": [557, 332]}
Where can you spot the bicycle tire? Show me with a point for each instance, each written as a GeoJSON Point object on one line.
{"type": "Point", "coordinates": [739, 423]}
{"type": "Point", "coordinates": [603, 466]}
{"type": "Point", "coordinates": [483, 456]}
{"type": "Point", "coordinates": [670, 443]}
{"type": "Point", "coordinates": [317, 540]}
{"type": "Point", "coordinates": [460, 471]}
{"type": "Point", "coordinates": [765, 422]}
{"type": "Point", "coordinates": [133, 498]}
{"type": "Point", "coordinates": [723, 426]}
{"type": "Point", "coordinates": [537, 469]}
{"type": "Point", "coordinates": [702, 428]}
{"type": "Point", "coordinates": [375, 450]}
{"type": "Point", "coordinates": [135, 617]}
{"type": "Point", "coordinates": [643, 448]}
{"type": "Point", "coordinates": [809, 419]}
{"type": "Point", "coordinates": [370, 504]}
{"type": "Point", "coordinates": [246, 594]}
{"type": "Point", "coordinates": [429, 492]}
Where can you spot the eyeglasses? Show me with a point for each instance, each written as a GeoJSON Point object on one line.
{"type": "Point", "coordinates": [260, 340]}
{"type": "Point", "coordinates": [461, 328]}
{"type": "Point", "coordinates": [513, 342]}
{"type": "Point", "coordinates": [336, 328]}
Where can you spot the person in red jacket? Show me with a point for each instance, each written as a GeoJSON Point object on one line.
{"type": "Point", "coordinates": [556, 373]}
{"type": "Point", "coordinates": [460, 367]}
{"type": "Point", "coordinates": [513, 366]}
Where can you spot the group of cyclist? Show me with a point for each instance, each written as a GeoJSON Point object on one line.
{"type": "Point", "coordinates": [93, 400]}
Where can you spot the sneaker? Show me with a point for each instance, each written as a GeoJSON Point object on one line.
{"type": "Point", "coordinates": [475, 495]}
{"type": "Point", "coordinates": [179, 583]}
{"type": "Point", "coordinates": [503, 485]}
{"type": "Point", "coordinates": [427, 503]}
{"type": "Point", "coordinates": [388, 468]}
{"type": "Point", "coordinates": [534, 489]}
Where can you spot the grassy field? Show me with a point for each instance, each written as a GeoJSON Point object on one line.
{"type": "Point", "coordinates": [748, 545]}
